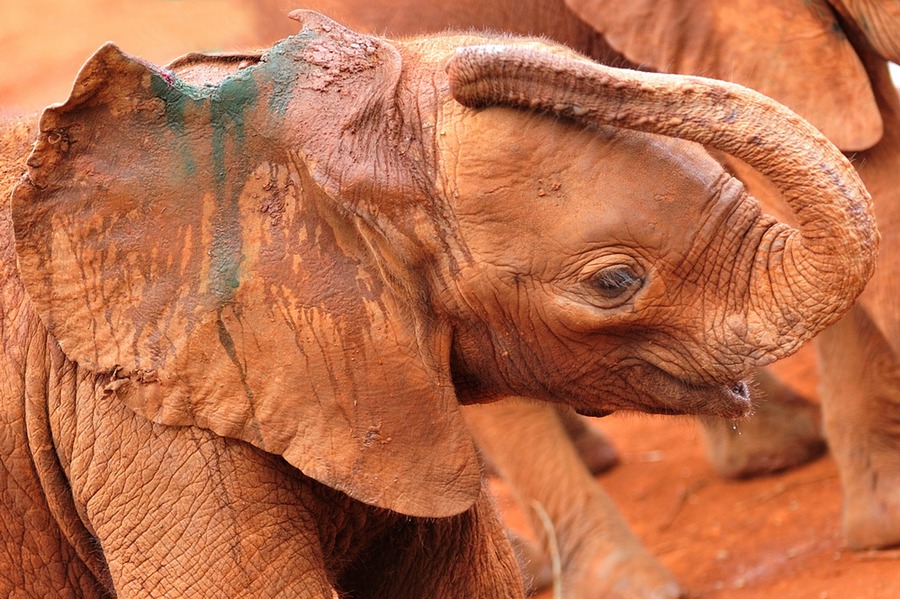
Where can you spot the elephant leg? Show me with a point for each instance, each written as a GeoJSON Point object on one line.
{"type": "Point", "coordinates": [595, 449]}
{"type": "Point", "coordinates": [600, 556]}
{"type": "Point", "coordinates": [37, 557]}
{"type": "Point", "coordinates": [467, 555]}
{"type": "Point", "coordinates": [181, 512]}
{"type": "Point", "coordinates": [216, 524]}
{"type": "Point", "coordinates": [534, 561]}
{"type": "Point", "coordinates": [784, 431]}
{"type": "Point", "coordinates": [861, 406]}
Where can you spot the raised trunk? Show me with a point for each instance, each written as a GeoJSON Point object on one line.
{"type": "Point", "coordinates": [803, 279]}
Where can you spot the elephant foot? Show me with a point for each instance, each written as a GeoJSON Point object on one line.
{"type": "Point", "coordinates": [784, 432]}
{"type": "Point", "coordinates": [624, 571]}
{"type": "Point", "coordinates": [866, 448]}
{"type": "Point", "coordinates": [861, 404]}
{"type": "Point", "coordinates": [598, 557]}
{"type": "Point", "coordinates": [594, 448]}
{"type": "Point", "coordinates": [864, 435]}
{"type": "Point", "coordinates": [620, 572]}
{"type": "Point", "coordinates": [871, 512]}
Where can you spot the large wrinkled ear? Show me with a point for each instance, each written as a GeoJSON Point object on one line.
{"type": "Point", "coordinates": [192, 243]}
{"type": "Point", "coordinates": [794, 52]}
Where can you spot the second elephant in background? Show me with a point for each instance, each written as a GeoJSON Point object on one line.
{"type": "Point", "coordinates": [828, 61]}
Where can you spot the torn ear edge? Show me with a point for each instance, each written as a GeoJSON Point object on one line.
{"type": "Point", "coordinates": [108, 63]}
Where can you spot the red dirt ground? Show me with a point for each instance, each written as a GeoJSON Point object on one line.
{"type": "Point", "coordinates": [772, 537]}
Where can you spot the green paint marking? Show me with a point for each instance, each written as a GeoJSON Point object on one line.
{"type": "Point", "coordinates": [178, 97]}
{"type": "Point", "coordinates": [229, 108]}
{"type": "Point", "coordinates": [230, 105]}
{"type": "Point", "coordinates": [227, 343]}
{"type": "Point", "coordinates": [285, 69]}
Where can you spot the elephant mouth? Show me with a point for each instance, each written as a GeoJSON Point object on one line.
{"type": "Point", "coordinates": [659, 392]}
{"type": "Point", "coordinates": [731, 400]}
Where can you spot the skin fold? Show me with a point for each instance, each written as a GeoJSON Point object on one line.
{"type": "Point", "coordinates": [262, 396]}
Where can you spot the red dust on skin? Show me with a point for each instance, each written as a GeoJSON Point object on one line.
{"type": "Point", "coordinates": [772, 537]}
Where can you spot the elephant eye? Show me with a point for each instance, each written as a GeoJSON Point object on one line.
{"type": "Point", "coordinates": [616, 284]}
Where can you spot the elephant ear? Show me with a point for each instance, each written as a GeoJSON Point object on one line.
{"type": "Point", "coordinates": [879, 22]}
{"type": "Point", "coordinates": [794, 52]}
{"type": "Point", "coordinates": [194, 245]}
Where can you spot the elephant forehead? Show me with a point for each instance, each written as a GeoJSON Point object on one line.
{"type": "Point", "coordinates": [519, 176]}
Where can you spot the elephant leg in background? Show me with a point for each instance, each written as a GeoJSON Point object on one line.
{"type": "Point", "coordinates": [594, 448]}
{"type": "Point", "coordinates": [784, 431]}
{"type": "Point", "coordinates": [861, 405]}
{"type": "Point", "coordinates": [601, 557]}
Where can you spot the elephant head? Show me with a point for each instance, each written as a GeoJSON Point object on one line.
{"type": "Point", "coordinates": [825, 59]}
{"type": "Point", "coordinates": [321, 249]}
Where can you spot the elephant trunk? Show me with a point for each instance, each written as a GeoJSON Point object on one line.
{"type": "Point", "coordinates": [802, 279]}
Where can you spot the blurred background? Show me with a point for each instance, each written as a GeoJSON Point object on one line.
{"type": "Point", "coordinates": [44, 42]}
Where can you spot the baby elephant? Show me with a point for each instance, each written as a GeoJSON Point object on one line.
{"type": "Point", "coordinates": [245, 296]}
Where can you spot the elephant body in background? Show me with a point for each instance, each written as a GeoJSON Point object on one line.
{"type": "Point", "coordinates": [262, 396]}
{"type": "Point", "coordinates": [828, 62]}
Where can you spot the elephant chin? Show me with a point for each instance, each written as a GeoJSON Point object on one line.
{"type": "Point", "coordinates": [664, 393]}
{"type": "Point", "coordinates": [730, 401]}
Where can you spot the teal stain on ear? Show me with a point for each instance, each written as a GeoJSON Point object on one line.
{"type": "Point", "coordinates": [283, 66]}
{"type": "Point", "coordinates": [231, 102]}
{"type": "Point", "coordinates": [178, 96]}
{"type": "Point", "coordinates": [230, 105]}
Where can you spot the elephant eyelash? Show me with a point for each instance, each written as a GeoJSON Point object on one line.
{"type": "Point", "coordinates": [616, 284]}
{"type": "Point", "coordinates": [615, 279]}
